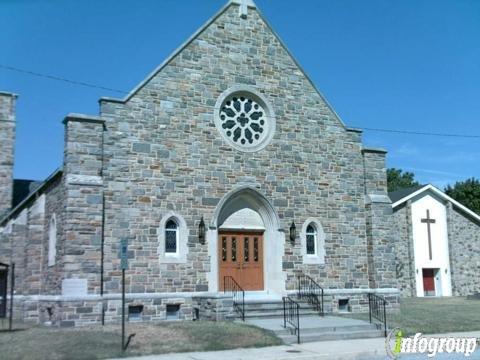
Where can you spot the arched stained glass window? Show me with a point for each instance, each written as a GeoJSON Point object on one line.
{"type": "Point", "coordinates": [311, 237]}
{"type": "Point", "coordinates": [171, 237]}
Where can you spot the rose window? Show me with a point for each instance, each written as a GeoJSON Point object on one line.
{"type": "Point", "coordinates": [243, 120]}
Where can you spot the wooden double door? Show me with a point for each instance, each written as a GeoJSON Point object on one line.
{"type": "Point", "coordinates": [240, 256]}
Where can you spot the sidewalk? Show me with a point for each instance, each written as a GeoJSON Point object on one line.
{"type": "Point", "coordinates": [359, 349]}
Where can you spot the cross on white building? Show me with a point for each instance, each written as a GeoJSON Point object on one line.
{"type": "Point", "coordinates": [429, 221]}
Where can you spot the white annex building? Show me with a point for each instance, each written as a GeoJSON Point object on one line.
{"type": "Point", "coordinates": [436, 242]}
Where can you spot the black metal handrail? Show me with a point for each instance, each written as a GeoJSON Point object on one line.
{"type": "Point", "coordinates": [377, 308]}
{"type": "Point", "coordinates": [309, 289]}
{"type": "Point", "coordinates": [291, 315]}
{"type": "Point", "coordinates": [238, 294]}
{"type": "Point", "coordinates": [3, 289]}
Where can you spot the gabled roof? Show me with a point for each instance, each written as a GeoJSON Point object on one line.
{"type": "Point", "coordinates": [401, 196]}
{"type": "Point", "coordinates": [251, 5]}
{"type": "Point", "coordinates": [33, 194]}
{"type": "Point", "coordinates": [21, 189]}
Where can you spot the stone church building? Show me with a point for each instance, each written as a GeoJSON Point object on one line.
{"type": "Point", "coordinates": [225, 161]}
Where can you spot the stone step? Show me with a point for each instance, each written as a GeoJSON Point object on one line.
{"type": "Point", "coordinates": [329, 329]}
{"type": "Point", "coordinates": [272, 304]}
{"type": "Point", "coordinates": [262, 307]}
{"type": "Point", "coordinates": [275, 313]}
{"type": "Point", "coordinates": [328, 336]}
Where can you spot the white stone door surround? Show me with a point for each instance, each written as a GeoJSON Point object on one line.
{"type": "Point", "coordinates": [247, 197]}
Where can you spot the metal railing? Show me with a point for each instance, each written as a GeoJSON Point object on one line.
{"type": "Point", "coordinates": [238, 294]}
{"type": "Point", "coordinates": [291, 315]}
{"type": "Point", "coordinates": [308, 289]}
{"type": "Point", "coordinates": [377, 308]}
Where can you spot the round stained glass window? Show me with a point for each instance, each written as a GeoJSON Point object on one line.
{"type": "Point", "coordinates": [244, 120]}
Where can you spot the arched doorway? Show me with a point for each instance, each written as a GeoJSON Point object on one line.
{"type": "Point", "coordinates": [246, 241]}
{"type": "Point", "coordinates": [240, 250]}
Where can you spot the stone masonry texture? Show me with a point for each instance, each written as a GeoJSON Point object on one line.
{"type": "Point", "coordinates": [464, 251]}
{"type": "Point", "coordinates": [163, 152]}
{"type": "Point", "coordinates": [159, 151]}
{"type": "Point", "coordinates": [7, 141]}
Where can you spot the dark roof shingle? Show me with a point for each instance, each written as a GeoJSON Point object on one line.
{"type": "Point", "coordinates": [400, 194]}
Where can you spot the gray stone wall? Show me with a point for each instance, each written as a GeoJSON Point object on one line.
{"type": "Point", "coordinates": [54, 205]}
{"type": "Point", "coordinates": [160, 151]}
{"type": "Point", "coordinates": [464, 244]}
{"type": "Point", "coordinates": [164, 153]}
{"type": "Point", "coordinates": [7, 141]}
{"type": "Point", "coordinates": [82, 181]}
{"type": "Point", "coordinates": [51, 310]}
{"type": "Point", "coordinates": [24, 241]}
{"type": "Point", "coordinates": [34, 247]}
{"type": "Point", "coordinates": [379, 222]}
{"type": "Point", "coordinates": [405, 262]}
{"type": "Point", "coordinates": [18, 240]}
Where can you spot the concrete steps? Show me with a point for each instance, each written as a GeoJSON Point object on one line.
{"type": "Point", "coordinates": [316, 328]}
{"type": "Point", "coordinates": [268, 314]}
{"type": "Point", "coordinates": [267, 309]}
{"type": "Point", "coordinates": [328, 329]}
{"type": "Point", "coordinates": [330, 333]}
{"type": "Point", "coordinates": [272, 308]}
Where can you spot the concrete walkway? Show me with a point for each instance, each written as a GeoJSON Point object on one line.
{"type": "Point", "coordinates": [360, 349]}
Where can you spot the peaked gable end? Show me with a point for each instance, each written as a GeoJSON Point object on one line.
{"type": "Point", "coordinates": [239, 50]}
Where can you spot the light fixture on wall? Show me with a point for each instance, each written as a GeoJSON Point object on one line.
{"type": "Point", "coordinates": [293, 232]}
{"type": "Point", "coordinates": [201, 232]}
{"type": "Point", "coordinates": [446, 271]}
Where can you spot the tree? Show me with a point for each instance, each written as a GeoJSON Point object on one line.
{"type": "Point", "coordinates": [467, 193]}
{"type": "Point", "coordinates": [398, 179]}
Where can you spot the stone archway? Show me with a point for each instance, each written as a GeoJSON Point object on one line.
{"type": "Point", "coordinates": [246, 197]}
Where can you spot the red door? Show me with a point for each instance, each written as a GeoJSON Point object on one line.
{"type": "Point", "coordinates": [429, 282]}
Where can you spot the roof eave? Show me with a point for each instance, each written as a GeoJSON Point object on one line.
{"type": "Point", "coordinates": [25, 201]}
{"type": "Point", "coordinates": [197, 33]}
{"type": "Point", "coordinates": [440, 194]}
{"type": "Point", "coordinates": [169, 58]}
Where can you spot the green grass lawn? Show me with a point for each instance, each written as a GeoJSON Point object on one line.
{"type": "Point", "coordinates": [435, 315]}
{"type": "Point", "coordinates": [97, 342]}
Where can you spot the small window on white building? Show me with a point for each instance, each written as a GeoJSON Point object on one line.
{"type": "Point", "coordinates": [52, 241]}
{"type": "Point", "coordinates": [311, 237]}
{"type": "Point", "coordinates": [171, 238]}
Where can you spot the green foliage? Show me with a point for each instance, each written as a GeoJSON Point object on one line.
{"type": "Point", "coordinates": [398, 179]}
{"type": "Point", "coordinates": [467, 193]}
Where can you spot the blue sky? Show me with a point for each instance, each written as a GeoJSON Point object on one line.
{"type": "Point", "coordinates": [404, 64]}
